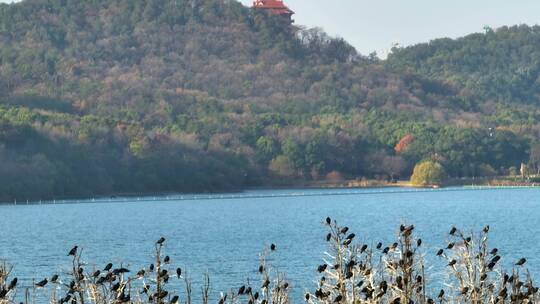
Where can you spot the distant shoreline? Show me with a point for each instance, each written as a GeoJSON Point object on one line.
{"type": "Point", "coordinates": [484, 184]}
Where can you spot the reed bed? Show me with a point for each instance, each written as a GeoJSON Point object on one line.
{"type": "Point", "coordinates": [351, 273]}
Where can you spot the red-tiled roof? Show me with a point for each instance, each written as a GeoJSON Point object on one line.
{"type": "Point", "coordinates": [276, 6]}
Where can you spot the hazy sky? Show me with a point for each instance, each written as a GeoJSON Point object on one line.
{"type": "Point", "coordinates": [375, 25]}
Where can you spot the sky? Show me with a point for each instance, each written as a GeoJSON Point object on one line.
{"type": "Point", "coordinates": [377, 25]}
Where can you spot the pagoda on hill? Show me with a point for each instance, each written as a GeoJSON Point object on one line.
{"type": "Point", "coordinates": [276, 7]}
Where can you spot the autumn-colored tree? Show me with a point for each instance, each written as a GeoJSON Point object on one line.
{"type": "Point", "coordinates": [404, 143]}
{"type": "Point", "coordinates": [428, 173]}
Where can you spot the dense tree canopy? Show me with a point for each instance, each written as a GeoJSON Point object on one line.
{"type": "Point", "coordinates": [140, 96]}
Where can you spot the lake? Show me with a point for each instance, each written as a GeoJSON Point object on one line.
{"type": "Point", "coordinates": [224, 234]}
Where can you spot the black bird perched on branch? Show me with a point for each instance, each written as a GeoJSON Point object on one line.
{"type": "Point", "coordinates": [73, 251]}
{"type": "Point", "coordinates": [174, 300]}
{"type": "Point", "coordinates": [322, 268]}
{"type": "Point", "coordinates": [120, 271]}
{"type": "Point", "coordinates": [54, 278]}
{"type": "Point", "coordinates": [521, 262]}
{"type": "Point", "coordinates": [160, 241]}
{"type": "Point", "coordinates": [179, 272]}
{"type": "Point", "coordinates": [12, 284]}
{"type": "Point", "coordinates": [151, 268]}
{"type": "Point", "coordinates": [441, 294]}
{"type": "Point", "coordinates": [344, 230]}
{"type": "Point", "coordinates": [241, 290]}
{"type": "Point", "coordinates": [141, 273]}
{"type": "Point", "coordinates": [167, 259]}
{"type": "Point", "coordinates": [364, 248]}
{"type": "Point", "coordinates": [108, 267]}
{"type": "Point", "coordinates": [453, 230]}
{"type": "Point", "coordinates": [328, 221]}
{"type": "Point", "coordinates": [379, 246]}
{"type": "Point", "coordinates": [162, 294]}
{"type": "Point", "coordinates": [273, 247]}
{"type": "Point", "coordinates": [42, 283]}
{"type": "Point", "coordinates": [115, 287]}
{"type": "Point", "coordinates": [96, 273]}
{"type": "Point", "coordinates": [440, 252]}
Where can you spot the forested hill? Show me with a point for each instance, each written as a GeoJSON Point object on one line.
{"type": "Point", "coordinates": [501, 65]}
{"type": "Point", "coordinates": [144, 96]}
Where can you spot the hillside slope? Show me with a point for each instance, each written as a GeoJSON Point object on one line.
{"type": "Point", "coordinates": [140, 96]}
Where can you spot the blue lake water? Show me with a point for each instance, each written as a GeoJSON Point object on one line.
{"type": "Point", "coordinates": [223, 235]}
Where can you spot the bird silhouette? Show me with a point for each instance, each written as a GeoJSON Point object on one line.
{"type": "Point", "coordinates": [12, 284]}
{"type": "Point", "coordinates": [328, 221]}
{"type": "Point", "coordinates": [160, 241]}
{"type": "Point", "coordinates": [441, 294]}
{"type": "Point", "coordinates": [54, 278]}
{"type": "Point", "coordinates": [120, 271]}
{"type": "Point", "coordinates": [521, 262]}
{"type": "Point", "coordinates": [179, 272]}
{"type": "Point", "coordinates": [440, 252]}
{"type": "Point", "coordinates": [73, 251]}
{"type": "Point", "coordinates": [162, 294]}
{"type": "Point", "coordinates": [42, 283]}
{"type": "Point", "coordinates": [241, 290]}
{"type": "Point", "coordinates": [140, 273]}
{"type": "Point", "coordinates": [494, 251]}
{"type": "Point", "coordinates": [167, 259]}
{"type": "Point", "coordinates": [174, 300]}
{"type": "Point", "coordinates": [328, 237]}
{"type": "Point", "coordinates": [96, 273]}
{"type": "Point", "coordinates": [115, 287]}
{"type": "Point", "coordinates": [452, 263]}
{"type": "Point", "coordinates": [108, 267]}
{"type": "Point", "coordinates": [364, 248]}
{"type": "Point", "coordinates": [273, 247]}
{"type": "Point", "coordinates": [344, 230]}
{"type": "Point", "coordinates": [379, 245]}
{"type": "Point", "coordinates": [151, 268]}
{"type": "Point", "coordinates": [453, 230]}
